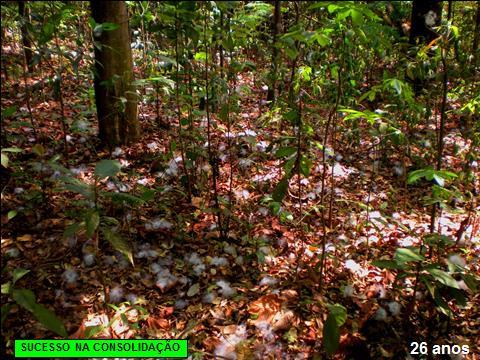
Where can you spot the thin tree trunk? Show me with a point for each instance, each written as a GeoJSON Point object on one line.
{"type": "Point", "coordinates": [276, 29]}
{"type": "Point", "coordinates": [24, 12]}
{"type": "Point", "coordinates": [113, 81]}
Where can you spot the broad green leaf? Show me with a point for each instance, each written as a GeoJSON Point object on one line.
{"type": "Point", "coordinates": [4, 159]}
{"type": "Point", "coordinates": [12, 150]}
{"type": "Point", "coordinates": [18, 273]}
{"type": "Point", "coordinates": [443, 277]}
{"type": "Point", "coordinates": [357, 17]}
{"type": "Point", "coordinates": [25, 298]}
{"type": "Point", "coordinates": [331, 335]}
{"type": "Point", "coordinates": [305, 165]}
{"type": "Point", "coordinates": [200, 56]}
{"type": "Point", "coordinates": [91, 331]}
{"type": "Point", "coordinates": [92, 220]}
{"type": "Point", "coordinates": [285, 151]}
{"type": "Point", "coordinates": [193, 290]}
{"type": "Point", "coordinates": [471, 281]}
{"type": "Point", "coordinates": [107, 168]}
{"type": "Point", "coordinates": [118, 243]}
{"type": "Point", "coordinates": [387, 264]}
{"type": "Point", "coordinates": [442, 305]}
{"type": "Point", "coordinates": [48, 319]}
{"type": "Point", "coordinates": [11, 214]}
{"type": "Point", "coordinates": [9, 111]}
{"type": "Point", "coordinates": [280, 190]}
{"type": "Point", "coordinates": [405, 255]}
{"type": "Point", "coordinates": [338, 312]}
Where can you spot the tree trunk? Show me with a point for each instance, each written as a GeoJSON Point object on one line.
{"type": "Point", "coordinates": [24, 13]}
{"type": "Point", "coordinates": [476, 38]}
{"type": "Point", "coordinates": [426, 14]}
{"type": "Point", "coordinates": [276, 29]}
{"type": "Point", "coordinates": [114, 91]}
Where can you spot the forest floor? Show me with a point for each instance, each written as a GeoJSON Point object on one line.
{"type": "Point", "coordinates": [255, 294]}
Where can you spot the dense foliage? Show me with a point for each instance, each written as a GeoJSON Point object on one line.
{"type": "Point", "coordinates": [305, 184]}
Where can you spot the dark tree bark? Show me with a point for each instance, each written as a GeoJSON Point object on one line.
{"type": "Point", "coordinates": [426, 14]}
{"type": "Point", "coordinates": [476, 38]}
{"type": "Point", "coordinates": [114, 92]}
{"type": "Point", "coordinates": [24, 13]}
{"type": "Point", "coordinates": [276, 29]}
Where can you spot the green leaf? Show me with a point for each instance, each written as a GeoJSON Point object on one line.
{"type": "Point", "coordinates": [118, 243]}
{"type": "Point", "coordinates": [107, 168]}
{"type": "Point", "coordinates": [471, 281]}
{"type": "Point", "coordinates": [193, 290]}
{"type": "Point", "coordinates": [12, 150]}
{"type": "Point", "coordinates": [4, 159]}
{"type": "Point", "coordinates": [443, 277]}
{"type": "Point", "coordinates": [6, 287]}
{"type": "Point", "coordinates": [72, 229]}
{"type": "Point", "coordinates": [25, 298]}
{"type": "Point", "coordinates": [11, 214]}
{"type": "Point", "coordinates": [357, 17]}
{"type": "Point", "coordinates": [91, 331]}
{"type": "Point", "coordinates": [338, 312]}
{"type": "Point", "coordinates": [92, 220]}
{"type": "Point", "coordinates": [305, 165]}
{"type": "Point", "coordinates": [80, 187]}
{"type": "Point", "coordinates": [439, 180]}
{"type": "Point", "coordinates": [124, 198]}
{"type": "Point", "coordinates": [405, 255]}
{"type": "Point", "coordinates": [9, 111]}
{"type": "Point", "coordinates": [285, 151]}
{"type": "Point", "coordinates": [48, 319]}
{"type": "Point", "coordinates": [387, 264]}
{"type": "Point", "coordinates": [331, 335]}
{"type": "Point", "coordinates": [280, 190]}
{"type": "Point", "coordinates": [107, 26]}
{"type": "Point", "coordinates": [18, 273]}
{"type": "Point", "coordinates": [200, 56]}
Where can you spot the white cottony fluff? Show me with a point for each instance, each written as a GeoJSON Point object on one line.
{"type": "Point", "coordinates": [226, 348]}
{"type": "Point", "coordinates": [230, 249]}
{"type": "Point", "coordinates": [132, 298]}
{"type": "Point", "coordinates": [165, 280]}
{"type": "Point", "coordinates": [156, 268]}
{"type": "Point", "coordinates": [266, 330]}
{"type": "Point", "coordinates": [218, 261]}
{"type": "Point", "coordinates": [381, 314]}
{"type": "Point", "coordinates": [457, 260]}
{"type": "Point", "coordinates": [348, 291]}
{"type": "Point", "coordinates": [199, 269]}
{"type": "Point", "coordinates": [354, 267]}
{"type": "Point", "coordinates": [70, 276]}
{"type": "Point", "coordinates": [268, 281]}
{"type": "Point", "coordinates": [89, 259]}
{"type": "Point", "coordinates": [194, 259]}
{"type": "Point", "coordinates": [117, 152]}
{"type": "Point", "coordinates": [116, 294]}
{"type": "Point", "coordinates": [180, 304]}
{"type": "Point", "coordinates": [208, 297]}
{"type": "Point", "coordinates": [394, 308]}
{"type": "Point", "coordinates": [225, 289]}
{"type": "Point", "coordinates": [157, 224]}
